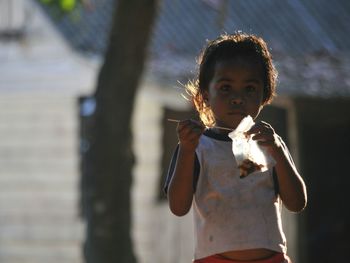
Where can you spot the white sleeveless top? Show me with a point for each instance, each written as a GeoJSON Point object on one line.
{"type": "Point", "coordinates": [233, 213]}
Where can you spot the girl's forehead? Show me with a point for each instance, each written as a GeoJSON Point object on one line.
{"type": "Point", "coordinates": [248, 65]}
{"type": "Point", "coordinates": [242, 61]}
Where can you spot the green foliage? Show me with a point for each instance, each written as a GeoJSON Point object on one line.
{"type": "Point", "coordinates": [59, 9]}
{"type": "Point", "coordinates": [64, 6]}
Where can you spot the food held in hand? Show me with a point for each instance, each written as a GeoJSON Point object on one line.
{"type": "Point", "coordinates": [247, 167]}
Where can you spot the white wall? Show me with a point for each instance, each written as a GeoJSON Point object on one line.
{"type": "Point", "coordinates": [39, 83]}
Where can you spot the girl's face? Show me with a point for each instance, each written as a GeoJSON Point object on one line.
{"type": "Point", "coordinates": [235, 91]}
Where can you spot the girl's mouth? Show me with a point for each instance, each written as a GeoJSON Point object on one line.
{"type": "Point", "coordinates": [237, 112]}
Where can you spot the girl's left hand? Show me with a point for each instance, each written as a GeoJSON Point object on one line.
{"type": "Point", "coordinates": [265, 135]}
{"type": "Point", "coordinates": [292, 188]}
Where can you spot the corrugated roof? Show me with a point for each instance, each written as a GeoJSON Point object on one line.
{"type": "Point", "coordinates": [318, 74]}
{"type": "Point", "coordinates": [293, 28]}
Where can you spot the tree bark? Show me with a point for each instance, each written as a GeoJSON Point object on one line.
{"type": "Point", "coordinates": [110, 157]}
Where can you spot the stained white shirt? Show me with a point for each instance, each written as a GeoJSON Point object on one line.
{"type": "Point", "coordinates": [233, 213]}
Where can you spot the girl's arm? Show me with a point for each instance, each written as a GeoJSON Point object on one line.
{"type": "Point", "coordinates": [180, 190]}
{"type": "Point", "coordinates": [292, 188]}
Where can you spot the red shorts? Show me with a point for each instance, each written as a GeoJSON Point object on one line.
{"type": "Point", "coordinates": [278, 258]}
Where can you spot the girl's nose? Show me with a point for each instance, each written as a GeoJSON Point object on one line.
{"type": "Point", "coordinates": [236, 100]}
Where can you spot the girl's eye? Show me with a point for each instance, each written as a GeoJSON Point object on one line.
{"type": "Point", "coordinates": [224, 88]}
{"type": "Point", "coordinates": [250, 89]}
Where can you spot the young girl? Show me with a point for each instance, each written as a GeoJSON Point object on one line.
{"type": "Point", "coordinates": [236, 219]}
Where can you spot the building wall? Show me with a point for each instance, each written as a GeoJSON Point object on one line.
{"type": "Point", "coordinates": [38, 179]}
{"type": "Point", "coordinates": [39, 82]}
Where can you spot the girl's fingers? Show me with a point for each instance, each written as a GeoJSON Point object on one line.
{"type": "Point", "coordinates": [266, 143]}
{"type": "Point", "coordinates": [190, 129]}
{"type": "Point", "coordinates": [261, 127]}
{"type": "Point", "coordinates": [190, 124]}
{"type": "Point", "coordinates": [264, 134]}
{"type": "Point", "coordinates": [261, 130]}
{"type": "Point", "coordinates": [182, 125]}
{"type": "Point", "coordinates": [263, 137]}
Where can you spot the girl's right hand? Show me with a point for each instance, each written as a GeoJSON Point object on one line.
{"type": "Point", "coordinates": [188, 132]}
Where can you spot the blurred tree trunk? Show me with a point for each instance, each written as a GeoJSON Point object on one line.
{"type": "Point", "coordinates": [110, 158]}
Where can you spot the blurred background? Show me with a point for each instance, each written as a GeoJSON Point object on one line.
{"type": "Point", "coordinates": [59, 87]}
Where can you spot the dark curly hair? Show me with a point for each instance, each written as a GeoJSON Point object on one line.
{"type": "Point", "coordinates": [226, 47]}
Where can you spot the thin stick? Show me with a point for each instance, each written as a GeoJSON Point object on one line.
{"type": "Point", "coordinates": [218, 127]}
{"type": "Point", "coordinates": [173, 120]}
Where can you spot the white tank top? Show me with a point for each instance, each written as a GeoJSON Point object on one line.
{"type": "Point", "coordinates": [233, 213]}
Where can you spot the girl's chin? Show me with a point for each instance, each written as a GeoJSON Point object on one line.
{"type": "Point", "coordinates": [226, 127]}
{"type": "Point", "coordinates": [234, 122]}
